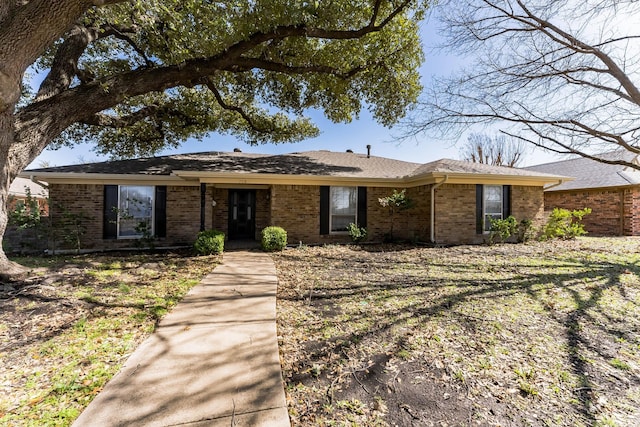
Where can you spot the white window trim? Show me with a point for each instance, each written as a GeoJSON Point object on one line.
{"type": "Point", "coordinates": [331, 210]}
{"type": "Point", "coordinates": [153, 213]}
{"type": "Point", "coordinates": [485, 224]}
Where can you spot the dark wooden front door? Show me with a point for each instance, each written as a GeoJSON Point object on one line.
{"type": "Point", "coordinates": [242, 214]}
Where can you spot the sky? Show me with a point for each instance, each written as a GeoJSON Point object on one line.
{"type": "Point", "coordinates": [334, 137]}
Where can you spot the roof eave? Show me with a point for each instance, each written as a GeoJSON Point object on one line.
{"type": "Point", "coordinates": [477, 178]}
{"type": "Point", "coordinates": [103, 178]}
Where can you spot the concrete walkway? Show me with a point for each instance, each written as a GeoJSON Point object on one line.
{"type": "Point", "coordinates": [213, 361]}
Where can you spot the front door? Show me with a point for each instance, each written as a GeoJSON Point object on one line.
{"type": "Point", "coordinates": [242, 214]}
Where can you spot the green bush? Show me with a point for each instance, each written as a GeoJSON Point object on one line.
{"type": "Point", "coordinates": [274, 238]}
{"type": "Point", "coordinates": [565, 224]}
{"type": "Point", "coordinates": [526, 231]}
{"type": "Point", "coordinates": [502, 229]}
{"type": "Point", "coordinates": [357, 234]}
{"type": "Point", "coordinates": [209, 242]}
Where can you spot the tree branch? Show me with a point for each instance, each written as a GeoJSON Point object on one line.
{"type": "Point", "coordinates": [107, 120]}
{"type": "Point", "coordinates": [121, 34]}
{"type": "Point", "coordinates": [211, 86]}
{"type": "Point", "coordinates": [65, 63]}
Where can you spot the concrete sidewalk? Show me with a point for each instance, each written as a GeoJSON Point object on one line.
{"type": "Point", "coordinates": [213, 361]}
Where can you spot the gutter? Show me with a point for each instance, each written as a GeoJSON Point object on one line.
{"type": "Point", "coordinates": [33, 179]}
{"type": "Point", "coordinates": [433, 207]}
{"type": "Point", "coordinates": [554, 185]}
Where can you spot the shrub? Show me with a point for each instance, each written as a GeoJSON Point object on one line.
{"type": "Point", "coordinates": [209, 242]}
{"type": "Point", "coordinates": [502, 229]}
{"type": "Point", "coordinates": [357, 234]}
{"type": "Point", "coordinates": [396, 202]}
{"type": "Point", "coordinates": [526, 231]}
{"type": "Point", "coordinates": [274, 238]}
{"type": "Point", "coordinates": [565, 224]}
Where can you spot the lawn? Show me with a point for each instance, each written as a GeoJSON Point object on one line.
{"type": "Point", "coordinates": [67, 330]}
{"type": "Point", "coordinates": [536, 334]}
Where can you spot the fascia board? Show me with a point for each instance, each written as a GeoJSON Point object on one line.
{"type": "Point", "coordinates": [100, 178]}
{"type": "Point", "coordinates": [475, 178]}
{"type": "Point", "coordinates": [195, 178]}
{"type": "Point", "coordinates": [280, 179]}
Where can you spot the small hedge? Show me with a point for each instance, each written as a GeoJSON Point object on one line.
{"type": "Point", "coordinates": [209, 242]}
{"type": "Point", "coordinates": [274, 239]}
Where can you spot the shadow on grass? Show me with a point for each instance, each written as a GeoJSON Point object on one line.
{"type": "Point", "coordinates": [433, 288]}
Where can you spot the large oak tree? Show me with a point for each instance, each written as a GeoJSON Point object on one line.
{"type": "Point", "coordinates": [137, 76]}
{"type": "Point", "coordinates": [562, 75]}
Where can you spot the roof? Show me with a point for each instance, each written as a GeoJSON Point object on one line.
{"type": "Point", "coordinates": [590, 174]}
{"type": "Point", "coordinates": [306, 163]}
{"type": "Point", "coordinates": [445, 166]}
{"type": "Point", "coordinates": [19, 188]}
{"type": "Point", "coordinates": [312, 166]}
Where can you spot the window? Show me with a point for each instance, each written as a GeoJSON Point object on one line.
{"type": "Point", "coordinates": [492, 202]}
{"type": "Point", "coordinates": [135, 210]}
{"type": "Point", "coordinates": [132, 211]}
{"type": "Point", "coordinates": [344, 208]}
{"type": "Point", "coordinates": [340, 206]}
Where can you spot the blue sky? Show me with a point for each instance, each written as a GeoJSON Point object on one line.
{"type": "Point", "coordinates": [335, 137]}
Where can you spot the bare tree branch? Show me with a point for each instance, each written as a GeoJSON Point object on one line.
{"type": "Point", "coordinates": [560, 74]}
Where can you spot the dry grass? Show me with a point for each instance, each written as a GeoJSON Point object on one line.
{"type": "Point", "coordinates": [538, 334]}
{"type": "Point", "coordinates": [66, 331]}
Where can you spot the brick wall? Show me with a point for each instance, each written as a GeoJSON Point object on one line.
{"type": "Point", "coordinates": [455, 214]}
{"type": "Point", "coordinates": [456, 211]}
{"type": "Point", "coordinates": [631, 212]}
{"type": "Point", "coordinates": [183, 215]}
{"type": "Point", "coordinates": [80, 199]}
{"type": "Point", "coordinates": [528, 203]}
{"type": "Point", "coordinates": [412, 224]}
{"type": "Point", "coordinates": [614, 212]}
{"type": "Point", "coordinates": [297, 209]}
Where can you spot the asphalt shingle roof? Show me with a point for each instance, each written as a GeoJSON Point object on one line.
{"type": "Point", "coordinates": [320, 163]}
{"type": "Point", "coordinates": [19, 188]}
{"type": "Point", "coordinates": [315, 163]}
{"type": "Point", "coordinates": [591, 174]}
{"type": "Point", "coordinates": [460, 166]}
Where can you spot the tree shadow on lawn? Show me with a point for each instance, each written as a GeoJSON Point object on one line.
{"type": "Point", "coordinates": [588, 332]}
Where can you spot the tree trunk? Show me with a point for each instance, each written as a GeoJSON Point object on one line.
{"type": "Point", "coordinates": [8, 269]}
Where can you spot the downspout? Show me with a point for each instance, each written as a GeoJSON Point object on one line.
{"type": "Point", "coordinates": [553, 185]}
{"type": "Point", "coordinates": [433, 207]}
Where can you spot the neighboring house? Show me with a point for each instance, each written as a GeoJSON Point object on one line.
{"type": "Point", "coordinates": [611, 191]}
{"type": "Point", "coordinates": [313, 195]}
{"type": "Point", "coordinates": [19, 189]}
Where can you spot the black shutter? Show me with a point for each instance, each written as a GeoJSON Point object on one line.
{"type": "Point", "coordinates": [324, 209]}
{"type": "Point", "coordinates": [479, 209]}
{"type": "Point", "coordinates": [110, 214]}
{"type": "Point", "coordinates": [203, 203]}
{"type": "Point", "coordinates": [362, 207]}
{"type": "Point", "coordinates": [506, 201]}
{"type": "Point", "coordinates": [160, 211]}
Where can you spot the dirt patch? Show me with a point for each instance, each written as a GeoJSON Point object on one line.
{"type": "Point", "coordinates": [509, 335]}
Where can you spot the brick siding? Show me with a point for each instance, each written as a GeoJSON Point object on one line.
{"type": "Point", "coordinates": [528, 203]}
{"type": "Point", "coordinates": [455, 214]}
{"type": "Point", "coordinates": [614, 212]}
{"type": "Point", "coordinates": [456, 211]}
{"type": "Point", "coordinates": [631, 212]}
{"type": "Point", "coordinates": [296, 208]}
